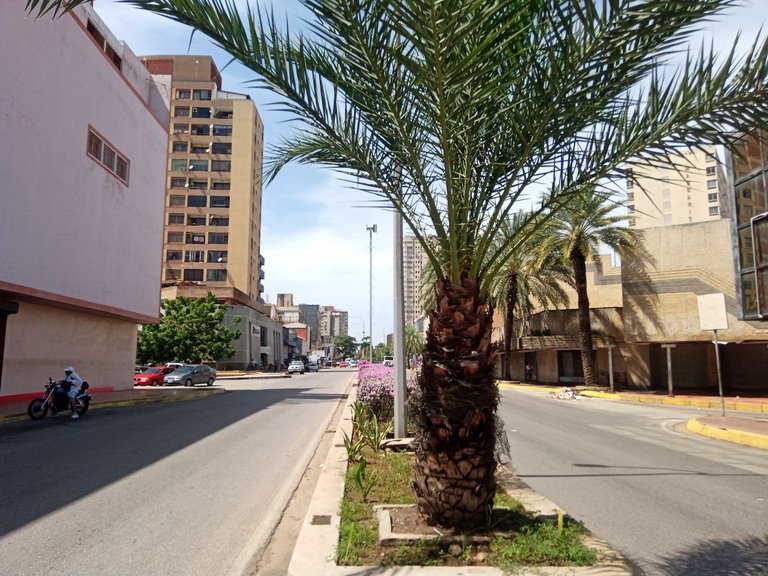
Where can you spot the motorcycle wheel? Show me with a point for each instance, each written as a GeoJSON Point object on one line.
{"type": "Point", "coordinates": [37, 409]}
{"type": "Point", "coordinates": [82, 408]}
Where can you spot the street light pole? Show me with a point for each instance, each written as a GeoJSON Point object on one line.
{"type": "Point", "coordinates": [371, 230]}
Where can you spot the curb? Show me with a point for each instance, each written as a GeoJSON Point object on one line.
{"type": "Point", "coordinates": [736, 436]}
{"type": "Point", "coordinates": [315, 550]}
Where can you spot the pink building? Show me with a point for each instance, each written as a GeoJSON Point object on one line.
{"type": "Point", "coordinates": [82, 180]}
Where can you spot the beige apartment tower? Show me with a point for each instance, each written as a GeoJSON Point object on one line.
{"type": "Point", "coordinates": [687, 188]}
{"type": "Point", "coordinates": [213, 188]}
{"type": "Point", "coordinates": [414, 260]}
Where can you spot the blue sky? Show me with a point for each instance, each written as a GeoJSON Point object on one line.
{"type": "Point", "coordinates": [314, 236]}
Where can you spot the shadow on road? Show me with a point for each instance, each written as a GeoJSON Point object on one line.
{"type": "Point", "coordinates": [746, 557]}
{"type": "Point", "coordinates": [51, 463]}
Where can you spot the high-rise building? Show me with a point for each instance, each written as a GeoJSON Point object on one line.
{"type": "Point", "coordinates": [687, 188]}
{"type": "Point", "coordinates": [213, 190]}
{"type": "Point", "coordinates": [414, 261]}
{"type": "Point", "coordinates": [333, 323]}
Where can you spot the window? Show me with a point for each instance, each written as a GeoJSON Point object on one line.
{"type": "Point", "coordinates": [175, 237]}
{"type": "Point", "coordinates": [201, 95]}
{"type": "Point", "coordinates": [666, 206]}
{"type": "Point", "coordinates": [631, 196]}
{"type": "Point", "coordinates": [630, 208]}
{"type": "Point", "coordinates": [218, 238]}
{"type": "Point", "coordinates": [667, 219]}
{"type": "Point", "coordinates": [710, 159]}
{"type": "Point", "coordinates": [198, 165]}
{"type": "Point", "coordinates": [171, 274]}
{"type": "Point", "coordinates": [201, 129]}
{"type": "Point", "coordinates": [712, 197]}
{"type": "Point", "coordinates": [175, 219]}
{"type": "Point", "coordinates": [182, 94]}
{"type": "Point", "coordinates": [106, 155]}
{"type": "Point", "coordinates": [219, 221]}
{"type": "Point", "coordinates": [178, 182]}
{"type": "Point", "coordinates": [180, 147]}
{"type": "Point", "coordinates": [666, 192]}
{"type": "Point", "coordinates": [631, 222]}
{"type": "Point", "coordinates": [714, 210]}
{"type": "Point", "coordinates": [217, 255]}
{"type": "Point", "coordinates": [181, 111]}
{"type": "Point", "coordinates": [217, 275]}
{"type": "Point", "coordinates": [181, 128]}
{"type": "Point", "coordinates": [221, 185]}
{"type": "Point", "coordinates": [198, 184]}
{"type": "Point", "coordinates": [194, 256]}
{"type": "Point", "coordinates": [221, 166]}
{"type": "Point", "coordinates": [222, 148]}
{"type": "Point", "coordinates": [630, 184]}
{"type": "Point", "coordinates": [172, 255]}
{"type": "Point", "coordinates": [200, 112]}
{"type": "Point", "coordinates": [179, 165]}
{"type": "Point", "coordinates": [746, 193]}
{"type": "Point", "coordinates": [222, 130]}
{"type": "Point", "coordinates": [193, 275]}
{"type": "Point", "coordinates": [192, 238]}
{"type": "Point", "coordinates": [223, 114]}
{"type": "Point", "coordinates": [711, 170]}
{"type": "Point", "coordinates": [195, 220]}
{"type": "Point", "coordinates": [219, 202]}
{"type": "Point", "coordinates": [199, 148]}
{"type": "Point", "coordinates": [711, 184]}
{"type": "Point", "coordinates": [98, 37]}
{"type": "Point", "coordinates": [197, 201]}
{"type": "Point", "coordinates": [176, 200]}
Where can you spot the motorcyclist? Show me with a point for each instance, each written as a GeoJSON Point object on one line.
{"type": "Point", "coordinates": [74, 381]}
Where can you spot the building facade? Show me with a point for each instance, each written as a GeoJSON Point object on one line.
{"type": "Point", "coordinates": [682, 189]}
{"type": "Point", "coordinates": [414, 262]}
{"type": "Point", "coordinates": [214, 155]}
{"type": "Point", "coordinates": [81, 222]}
{"type": "Point", "coordinates": [333, 323]}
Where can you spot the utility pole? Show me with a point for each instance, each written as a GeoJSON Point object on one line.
{"type": "Point", "coordinates": [399, 351]}
{"type": "Point", "coordinates": [371, 230]}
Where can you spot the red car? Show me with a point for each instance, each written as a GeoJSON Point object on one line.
{"type": "Point", "coordinates": [343, 364]}
{"type": "Point", "coordinates": [152, 376]}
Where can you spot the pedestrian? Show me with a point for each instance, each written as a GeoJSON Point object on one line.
{"type": "Point", "coordinates": [528, 371]}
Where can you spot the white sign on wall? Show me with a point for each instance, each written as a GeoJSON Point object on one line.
{"type": "Point", "coordinates": [712, 315]}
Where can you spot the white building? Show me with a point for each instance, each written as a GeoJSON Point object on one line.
{"type": "Point", "coordinates": [82, 174]}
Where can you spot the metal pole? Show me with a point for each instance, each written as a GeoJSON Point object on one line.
{"type": "Point", "coordinates": [610, 365]}
{"type": "Point", "coordinates": [719, 376]}
{"type": "Point", "coordinates": [371, 230]}
{"type": "Point", "coordinates": [669, 368]}
{"type": "Point", "coordinates": [399, 352]}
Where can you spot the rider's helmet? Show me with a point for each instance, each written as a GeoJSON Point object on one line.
{"type": "Point", "coordinates": [68, 370]}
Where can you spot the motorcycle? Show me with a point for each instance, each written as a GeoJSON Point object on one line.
{"type": "Point", "coordinates": [55, 399]}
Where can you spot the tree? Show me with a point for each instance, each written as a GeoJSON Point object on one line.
{"type": "Point", "coordinates": [577, 233]}
{"type": "Point", "coordinates": [451, 111]}
{"type": "Point", "coordinates": [365, 347]}
{"type": "Point", "coordinates": [414, 341]}
{"type": "Point", "coordinates": [190, 330]}
{"type": "Point", "coordinates": [344, 346]}
{"type": "Point", "coordinates": [533, 274]}
{"type": "Point", "coordinates": [381, 350]}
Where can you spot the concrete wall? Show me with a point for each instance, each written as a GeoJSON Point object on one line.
{"type": "Point", "coordinates": [43, 340]}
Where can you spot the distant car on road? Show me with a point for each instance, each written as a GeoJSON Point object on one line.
{"type": "Point", "coordinates": [352, 363]}
{"type": "Point", "coordinates": [190, 374]}
{"type": "Point", "coordinates": [389, 361]}
{"type": "Point", "coordinates": [151, 376]}
{"type": "Point", "coordinates": [296, 366]}
{"type": "Point", "coordinates": [311, 367]}
{"type": "Point", "coordinates": [343, 364]}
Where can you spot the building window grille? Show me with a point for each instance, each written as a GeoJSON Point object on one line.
{"type": "Point", "coordinates": [201, 94]}
{"type": "Point", "coordinates": [107, 156]}
{"type": "Point", "coordinates": [182, 94]}
{"type": "Point", "coordinates": [711, 184]}
{"type": "Point", "coordinates": [714, 210]}
{"type": "Point", "coordinates": [175, 237]}
{"type": "Point", "coordinates": [175, 219]}
{"type": "Point", "coordinates": [193, 275]}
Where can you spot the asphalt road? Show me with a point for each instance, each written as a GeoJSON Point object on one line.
{"type": "Point", "coordinates": [674, 503]}
{"type": "Point", "coordinates": [184, 488]}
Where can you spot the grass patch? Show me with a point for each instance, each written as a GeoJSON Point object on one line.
{"type": "Point", "coordinates": [514, 538]}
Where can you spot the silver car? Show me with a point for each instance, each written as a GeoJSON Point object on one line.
{"type": "Point", "coordinates": [296, 366]}
{"type": "Point", "coordinates": [190, 374]}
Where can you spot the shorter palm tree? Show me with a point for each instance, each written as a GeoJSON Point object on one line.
{"type": "Point", "coordinates": [576, 232]}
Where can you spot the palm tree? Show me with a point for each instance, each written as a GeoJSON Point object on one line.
{"type": "Point", "coordinates": [532, 275]}
{"type": "Point", "coordinates": [414, 341]}
{"type": "Point", "coordinates": [451, 111]}
{"type": "Point", "coordinates": [577, 233]}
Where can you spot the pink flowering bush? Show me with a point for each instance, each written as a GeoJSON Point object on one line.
{"type": "Point", "coordinates": [376, 389]}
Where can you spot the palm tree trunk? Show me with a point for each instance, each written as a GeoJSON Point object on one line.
{"type": "Point", "coordinates": [579, 264]}
{"type": "Point", "coordinates": [456, 410]}
{"type": "Point", "coordinates": [509, 319]}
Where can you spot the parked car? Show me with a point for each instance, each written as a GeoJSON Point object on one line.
{"type": "Point", "coordinates": [343, 364]}
{"type": "Point", "coordinates": [190, 374]}
{"type": "Point", "coordinates": [352, 363]}
{"type": "Point", "coordinates": [296, 366]}
{"type": "Point", "coordinates": [151, 376]}
{"type": "Point", "coordinates": [389, 361]}
{"type": "Point", "coordinates": [175, 364]}
{"type": "Point", "coordinates": [311, 367]}
{"type": "Point", "coordinates": [139, 369]}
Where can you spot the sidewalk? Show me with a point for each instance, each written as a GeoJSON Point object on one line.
{"type": "Point", "coordinates": [745, 421]}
